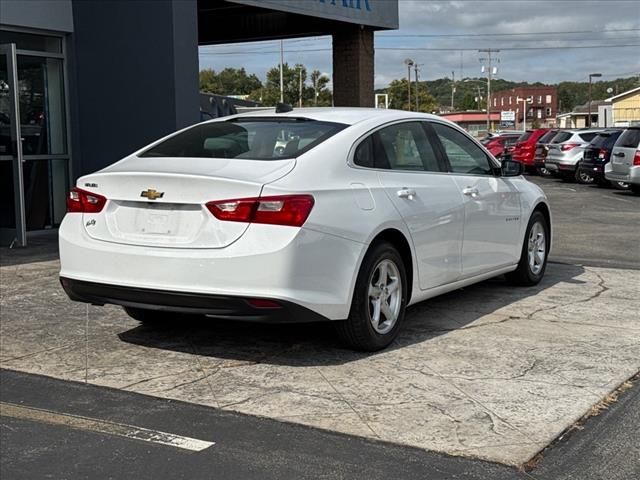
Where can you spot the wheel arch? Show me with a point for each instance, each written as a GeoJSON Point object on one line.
{"type": "Point", "coordinates": [543, 208]}
{"type": "Point", "coordinates": [399, 240]}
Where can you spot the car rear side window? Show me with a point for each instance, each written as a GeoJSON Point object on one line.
{"type": "Point", "coordinates": [404, 146]}
{"type": "Point", "coordinates": [463, 154]}
{"type": "Point", "coordinates": [629, 139]}
{"type": "Point", "coordinates": [247, 138]}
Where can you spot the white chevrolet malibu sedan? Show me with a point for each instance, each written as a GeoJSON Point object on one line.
{"type": "Point", "coordinates": [342, 214]}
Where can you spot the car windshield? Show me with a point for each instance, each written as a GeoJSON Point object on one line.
{"type": "Point", "coordinates": [630, 139]}
{"type": "Point", "coordinates": [247, 138]}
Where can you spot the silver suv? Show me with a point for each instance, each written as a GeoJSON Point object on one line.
{"type": "Point", "coordinates": [625, 160]}
{"type": "Point", "coordinates": [566, 150]}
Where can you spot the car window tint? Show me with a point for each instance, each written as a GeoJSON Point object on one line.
{"type": "Point", "coordinates": [364, 153]}
{"type": "Point", "coordinates": [405, 146]}
{"type": "Point", "coordinates": [250, 138]}
{"type": "Point", "coordinates": [547, 136]}
{"type": "Point", "coordinates": [464, 155]}
{"type": "Point", "coordinates": [587, 137]}
{"type": "Point", "coordinates": [629, 139]}
{"type": "Point", "coordinates": [562, 137]}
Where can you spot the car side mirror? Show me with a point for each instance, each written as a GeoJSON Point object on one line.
{"type": "Point", "coordinates": [511, 168]}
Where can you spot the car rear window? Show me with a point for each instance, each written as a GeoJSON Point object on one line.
{"type": "Point", "coordinates": [629, 139]}
{"type": "Point", "coordinates": [562, 137]}
{"type": "Point", "coordinates": [587, 137]}
{"type": "Point", "coordinates": [605, 139]}
{"type": "Point", "coordinates": [546, 138]}
{"type": "Point", "coordinates": [525, 136]}
{"type": "Point", "coordinates": [247, 138]}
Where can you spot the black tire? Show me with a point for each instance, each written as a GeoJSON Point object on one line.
{"type": "Point", "coordinates": [583, 177]}
{"type": "Point", "coordinates": [357, 331]}
{"type": "Point", "coordinates": [543, 172]}
{"type": "Point", "coordinates": [153, 318]}
{"type": "Point", "coordinates": [620, 185]}
{"type": "Point", "coordinates": [635, 189]}
{"type": "Point", "coordinates": [523, 275]}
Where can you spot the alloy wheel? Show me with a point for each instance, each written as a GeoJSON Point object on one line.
{"type": "Point", "coordinates": [537, 248]}
{"type": "Point", "coordinates": [385, 296]}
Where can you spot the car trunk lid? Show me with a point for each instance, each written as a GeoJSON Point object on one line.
{"type": "Point", "coordinates": [153, 203]}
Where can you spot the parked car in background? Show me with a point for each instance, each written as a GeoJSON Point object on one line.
{"type": "Point", "coordinates": [525, 147]}
{"type": "Point", "coordinates": [625, 160]}
{"type": "Point", "coordinates": [497, 143]}
{"type": "Point", "coordinates": [566, 151]}
{"type": "Point", "coordinates": [596, 155]}
{"type": "Point", "coordinates": [542, 148]}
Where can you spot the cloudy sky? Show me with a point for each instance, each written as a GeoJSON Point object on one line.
{"type": "Point", "coordinates": [444, 36]}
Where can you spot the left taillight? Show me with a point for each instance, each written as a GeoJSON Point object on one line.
{"type": "Point", "coordinates": [289, 210]}
{"type": "Point", "coordinates": [81, 201]}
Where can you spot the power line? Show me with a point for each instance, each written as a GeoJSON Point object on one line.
{"type": "Point", "coordinates": [568, 47]}
{"type": "Point", "coordinates": [440, 35]}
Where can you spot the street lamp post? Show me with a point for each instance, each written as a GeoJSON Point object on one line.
{"type": "Point", "coordinates": [409, 63]}
{"type": "Point", "coordinates": [524, 109]}
{"type": "Point", "coordinates": [591, 75]}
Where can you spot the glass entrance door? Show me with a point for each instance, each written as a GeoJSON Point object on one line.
{"type": "Point", "coordinates": [12, 219]}
{"type": "Point", "coordinates": [34, 170]}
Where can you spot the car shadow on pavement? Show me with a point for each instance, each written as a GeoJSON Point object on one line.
{"type": "Point", "coordinates": [41, 248]}
{"type": "Point", "coordinates": [316, 344]}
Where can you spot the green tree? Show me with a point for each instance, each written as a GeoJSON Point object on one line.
{"type": "Point", "coordinates": [230, 81]}
{"type": "Point", "coordinates": [320, 95]}
{"type": "Point", "coordinates": [399, 97]}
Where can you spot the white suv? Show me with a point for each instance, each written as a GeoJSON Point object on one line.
{"type": "Point", "coordinates": [625, 160]}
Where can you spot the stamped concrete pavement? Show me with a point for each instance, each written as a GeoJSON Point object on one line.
{"type": "Point", "coordinates": [491, 371]}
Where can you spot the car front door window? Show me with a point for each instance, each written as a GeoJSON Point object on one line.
{"type": "Point", "coordinates": [463, 154]}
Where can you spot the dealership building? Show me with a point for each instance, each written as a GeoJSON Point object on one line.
{"type": "Point", "coordinates": [86, 82]}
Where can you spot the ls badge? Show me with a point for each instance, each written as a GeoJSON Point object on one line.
{"type": "Point", "coordinates": [151, 194]}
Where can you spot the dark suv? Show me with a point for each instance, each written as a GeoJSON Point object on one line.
{"type": "Point", "coordinates": [542, 148]}
{"type": "Point", "coordinates": [596, 155]}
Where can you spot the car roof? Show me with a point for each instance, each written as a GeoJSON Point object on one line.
{"type": "Point", "coordinates": [346, 115]}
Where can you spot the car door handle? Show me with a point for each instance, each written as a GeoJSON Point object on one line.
{"type": "Point", "coordinates": [471, 191]}
{"type": "Point", "coordinates": [407, 193]}
{"type": "Point", "coordinates": [618, 154]}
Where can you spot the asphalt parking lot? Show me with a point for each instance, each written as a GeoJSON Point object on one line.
{"type": "Point", "coordinates": [490, 372]}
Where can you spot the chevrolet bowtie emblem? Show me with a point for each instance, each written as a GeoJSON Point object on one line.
{"type": "Point", "coordinates": [151, 194]}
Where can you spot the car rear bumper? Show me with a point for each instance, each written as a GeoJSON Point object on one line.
{"type": "Point", "coordinates": [633, 175]}
{"type": "Point", "coordinates": [229, 307]}
{"type": "Point", "coordinates": [292, 265]}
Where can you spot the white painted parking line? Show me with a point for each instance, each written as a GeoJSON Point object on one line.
{"type": "Point", "coordinates": [102, 426]}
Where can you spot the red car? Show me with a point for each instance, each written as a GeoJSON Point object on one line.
{"type": "Point", "coordinates": [498, 144]}
{"type": "Point", "coordinates": [525, 148]}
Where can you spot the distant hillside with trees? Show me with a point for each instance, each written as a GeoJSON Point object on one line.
{"type": "Point", "coordinates": [570, 94]}
{"type": "Point", "coordinates": [433, 94]}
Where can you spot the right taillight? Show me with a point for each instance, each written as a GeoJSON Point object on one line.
{"type": "Point", "coordinates": [636, 159]}
{"type": "Point", "coordinates": [568, 146]}
{"type": "Point", "coordinates": [289, 210]}
{"type": "Point", "coordinates": [82, 201]}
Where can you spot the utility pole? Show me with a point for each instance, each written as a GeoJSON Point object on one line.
{"type": "Point", "coordinates": [591, 75]}
{"type": "Point", "coordinates": [300, 95]}
{"type": "Point", "coordinates": [490, 71]}
{"type": "Point", "coordinates": [415, 68]}
{"type": "Point", "coordinates": [453, 88]}
{"type": "Point", "coordinates": [281, 75]}
{"type": "Point", "coordinates": [408, 62]}
{"type": "Point", "coordinates": [315, 91]}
